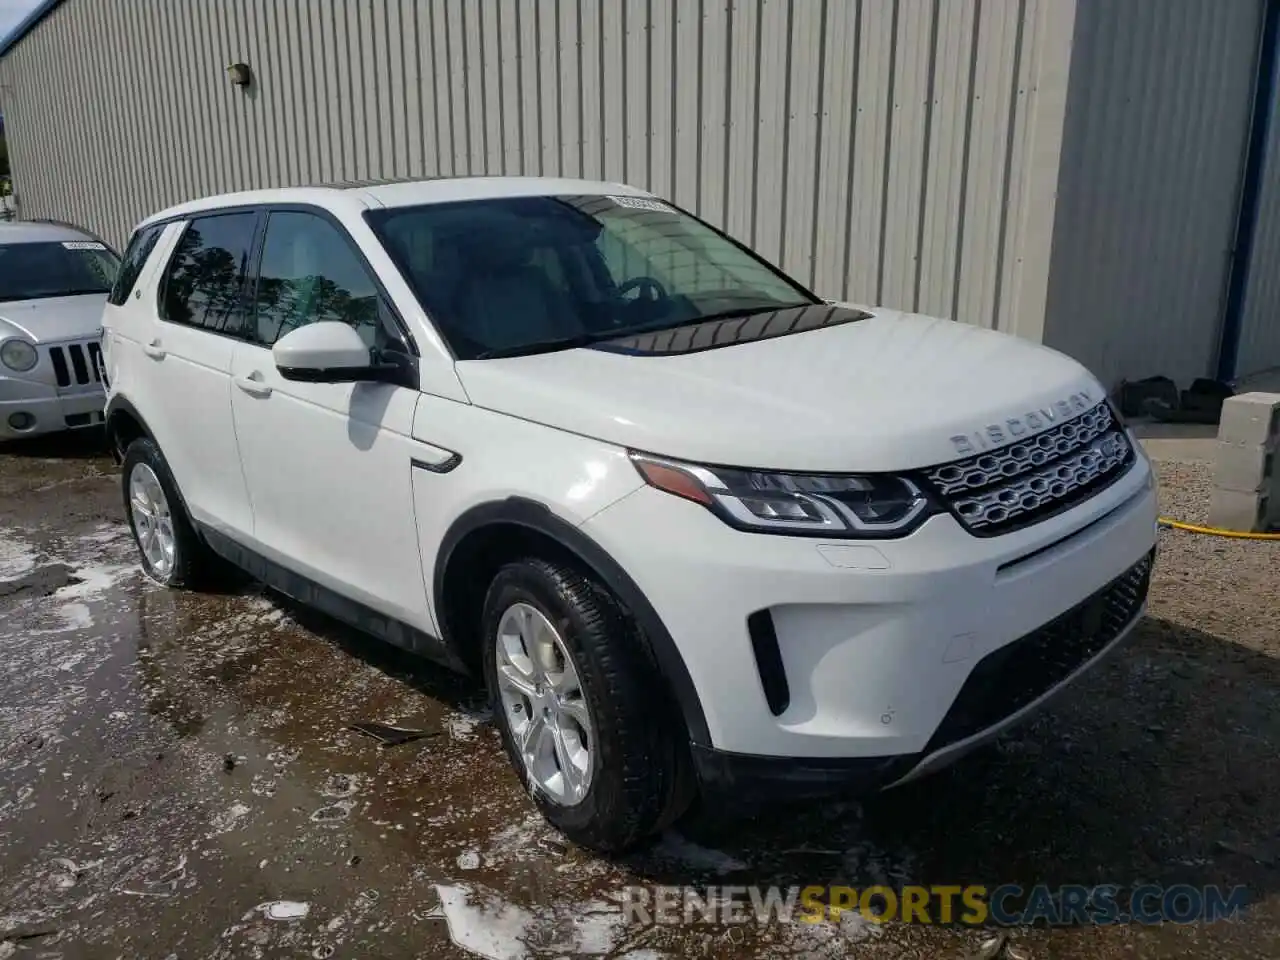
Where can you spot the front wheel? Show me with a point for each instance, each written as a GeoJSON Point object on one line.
{"type": "Point", "coordinates": [578, 706]}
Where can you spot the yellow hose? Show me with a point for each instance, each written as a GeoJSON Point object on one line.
{"type": "Point", "coordinates": [1215, 531]}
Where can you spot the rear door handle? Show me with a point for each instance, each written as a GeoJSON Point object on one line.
{"type": "Point", "coordinates": [253, 385]}
{"type": "Point", "coordinates": [154, 350]}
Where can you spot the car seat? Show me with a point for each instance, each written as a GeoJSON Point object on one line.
{"type": "Point", "coordinates": [504, 299]}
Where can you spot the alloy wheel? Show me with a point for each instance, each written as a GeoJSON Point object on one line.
{"type": "Point", "coordinates": [152, 520]}
{"type": "Point", "coordinates": [545, 708]}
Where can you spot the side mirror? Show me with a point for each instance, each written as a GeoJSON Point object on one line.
{"type": "Point", "coordinates": [327, 352]}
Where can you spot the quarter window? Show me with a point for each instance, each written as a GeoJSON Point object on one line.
{"type": "Point", "coordinates": [310, 272]}
{"type": "Point", "coordinates": [135, 258]}
{"type": "Point", "coordinates": [203, 283]}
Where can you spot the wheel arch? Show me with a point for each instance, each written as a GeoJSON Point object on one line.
{"type": "Point", "coordinates": [124, 425]}
{"type": "Point", "coordinates": [499, 530]}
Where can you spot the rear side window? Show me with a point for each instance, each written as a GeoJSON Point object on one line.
{"type": "Point", "coordinates": [203, 283]}
{"type": "Point", "coordinates": [135, 258]}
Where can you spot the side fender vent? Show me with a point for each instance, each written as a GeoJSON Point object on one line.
{"type": "Point", "coordinates": [773, 675]}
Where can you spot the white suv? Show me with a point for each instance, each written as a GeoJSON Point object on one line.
{"type": "Point", "coordinates": [699, 529]}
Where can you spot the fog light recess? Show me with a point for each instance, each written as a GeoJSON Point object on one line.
{"type": "Point", "coordinates": [21, 420]}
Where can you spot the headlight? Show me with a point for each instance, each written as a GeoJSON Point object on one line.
{"type": "Point", "coordinates": [823, 505]}
{"type": "Point", "coordinates": [18, 355]}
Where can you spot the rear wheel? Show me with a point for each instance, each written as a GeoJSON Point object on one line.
{"type": "Point", "coordinates": [171, 551]}
{"type": "Point", "coordinates": [576, 702]}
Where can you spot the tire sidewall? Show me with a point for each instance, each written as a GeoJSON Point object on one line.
{"type": "Point", "coordinates": [145, 451]}
{"type": "Point", "coordinates": [526, 583]}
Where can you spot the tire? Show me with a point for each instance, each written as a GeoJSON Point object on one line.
{"type": "Point", "coordinates": [638, 781]}
{"type": "Point", "coordinates": [192, 563]}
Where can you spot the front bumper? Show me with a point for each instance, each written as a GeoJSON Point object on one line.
{"type": "Point", "coordinates": [1004, 687]}
{"type": "Point", "coordinates": [51, 410]}
{"type": "Point", "coordinates": [888, 651]}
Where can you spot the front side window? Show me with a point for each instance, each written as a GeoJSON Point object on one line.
{"type": "Point", "coordinates": [135, 258]}
{"type": "Point", "coordinates": [517, 275]}
{"type": "Point", "coordinates": [203, 283]}
{"type": "Point", "coordinates": [309, 273]}
{"type": "Point", "coordinates": [61, 268]}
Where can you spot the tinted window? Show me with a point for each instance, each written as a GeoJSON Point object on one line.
{"type": "Point", "coordinates": [64, 268]}
{"type": "Point", "coordinates": [509, 275]}
{"type": "Point", "coordinates": [310, 272]}
{"type": "Point", "coordinates": [203, 282]}
{"type": "Point", "coordinates": [135, 258]}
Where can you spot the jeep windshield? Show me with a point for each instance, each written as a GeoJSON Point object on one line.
{"type": "Point", "coordinates": [517, 275]}
{"type": "Point", "coordinates": [65, 268]}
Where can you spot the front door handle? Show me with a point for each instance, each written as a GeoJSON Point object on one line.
{"type": "Point", "coordinates": [154, 350]}
{"type": "Point", "coordinates": [253, 385]}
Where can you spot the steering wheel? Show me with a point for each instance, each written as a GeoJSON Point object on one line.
{"type": "Point", "coordinates": [656, 291]}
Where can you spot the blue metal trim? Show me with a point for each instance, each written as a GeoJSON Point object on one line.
{"type": "Point", "coordinates": [27, 25]}
{"type": "Point", "coordinates": [1255, 163]}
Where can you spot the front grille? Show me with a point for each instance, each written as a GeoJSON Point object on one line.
{"type": "Point", "coordinates": [76, 364]}
{"type": "Point", "coordinates": [1033, 479]}
{"type": "Point", "coordinates": [1008, 679]}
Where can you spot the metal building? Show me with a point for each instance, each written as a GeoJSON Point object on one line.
{"type": "Point", "coordinates": [1102, 175]}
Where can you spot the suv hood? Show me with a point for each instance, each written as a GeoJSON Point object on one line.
{"type": "Point", "coordinates": [51, 319]}
{"type": "Point", "coordinates": [894, 391]}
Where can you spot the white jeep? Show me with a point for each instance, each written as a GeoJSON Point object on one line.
{"type": "Point", "coordinates": [699, 529]}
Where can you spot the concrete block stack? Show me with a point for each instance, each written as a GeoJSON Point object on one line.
{"type": "Point", "coordinates": [1246, 494]}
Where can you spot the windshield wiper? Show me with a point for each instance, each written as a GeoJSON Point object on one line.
{"type": "Point", "coordinates": [544, 346]}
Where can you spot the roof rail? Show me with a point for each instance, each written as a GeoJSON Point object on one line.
{"type": "Point", "coordinates": [381, 182]}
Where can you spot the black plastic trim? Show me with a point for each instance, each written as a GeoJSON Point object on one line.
{"type": "Point", "coordinates": [1016, 675]}
{"type": "Point", "coordinates": [401, 372]}
{"type": "Point", "coordinates": [773, 673]}
{"type": "Point", "coordinates": [118, 404]}
{"type": "Point", "coordinates": [535, 516]}
{"type": "Point", "coordinates": [445, 466]}
{"type": "Point", "coordinates": [746, 779]}
{"type": "Point", "coordinates": [351, 612]}
{"type": "Point", "coordinates": [78, 363]}
{"type": "Point", "coordinates": [60, 370]}
{"type": "Point", "coordinates": [713, 334]}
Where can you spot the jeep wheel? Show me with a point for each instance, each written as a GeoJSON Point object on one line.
{"type": "Point", "coordinates": [573, 696]}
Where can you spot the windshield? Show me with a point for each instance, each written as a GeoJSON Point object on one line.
{"type": "Point", "coordinates": [520, 275]}
{"type": "Point", "coordinates": [66, 268]}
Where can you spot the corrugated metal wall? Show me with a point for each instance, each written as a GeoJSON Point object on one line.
{"type": "Point", "coordinates": [1260, 324]}
{"type": "Point", "coordinates": [1153, 156]}
{"type": "Point", "coordinates": [889, 151]}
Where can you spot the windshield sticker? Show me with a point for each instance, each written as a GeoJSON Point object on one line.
{"type": "Point", "coordinates": [642, 203]}
{"type": "Point", "coordinates": [83, 245]}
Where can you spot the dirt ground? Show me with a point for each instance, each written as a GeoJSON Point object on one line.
{"type": "Point", "coordinates": [177, 779]}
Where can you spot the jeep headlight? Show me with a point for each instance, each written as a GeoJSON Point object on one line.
{"type": "Point", "coordinates": [823, 505]}
{"type": "Point", "coordinates": [18, 355]}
